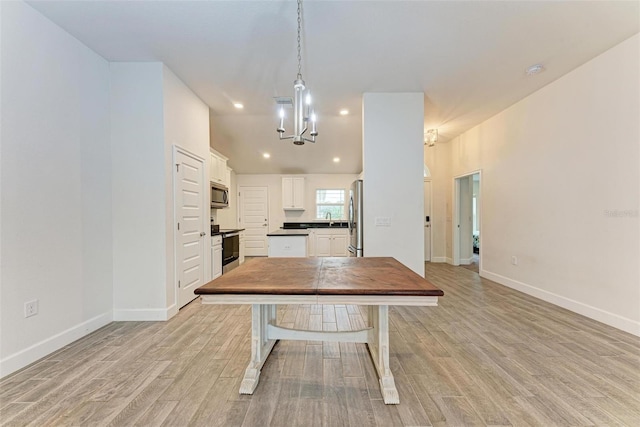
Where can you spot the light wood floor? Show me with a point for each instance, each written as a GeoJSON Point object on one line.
{"type": "Point", "coordinates": [475, 264]}
{"type": "Point", "coordinates": [487, 355]}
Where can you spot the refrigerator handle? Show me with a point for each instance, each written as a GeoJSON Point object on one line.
{"type": "Point", "coordinates": [351, 215]}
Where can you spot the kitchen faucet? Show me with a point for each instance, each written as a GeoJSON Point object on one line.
{"type": "Point", "coordinates": [328, 214]}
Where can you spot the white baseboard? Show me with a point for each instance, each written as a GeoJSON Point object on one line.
{"type": "Point", "coordinates": [449, 261]}
{"type": "Point", "coordinates": [466, 261]}
{"type": "Point", "coordinates": [172, 311]}
{"type": "Point", "coordinates": [47, 346]}
{"type": "Point", "coordinates": [608, 318]}
{"type": "Point", "coordinates": [438, 259]}
{"type": "Point", "coordinates": [145, 314]}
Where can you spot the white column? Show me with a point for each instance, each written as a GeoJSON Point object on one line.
{"type": "Point", "coordinates": [393, 169]}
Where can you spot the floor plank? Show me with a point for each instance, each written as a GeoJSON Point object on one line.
{"type": "Point", "coordinates": [487, 355]}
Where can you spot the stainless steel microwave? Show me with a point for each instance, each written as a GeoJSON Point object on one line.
{"type": "Point", "coordinates": [219, 196]}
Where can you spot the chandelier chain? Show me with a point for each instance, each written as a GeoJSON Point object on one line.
{"type": "Point", "coordinates": [299, 56]}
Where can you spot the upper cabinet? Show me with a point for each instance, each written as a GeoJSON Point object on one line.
{"type": "Point", "coordinates": [227, 177]}
{"type": "Point", "coordinates": [218, 169]}
{"type": "Point", "coordinates": [293, 193]}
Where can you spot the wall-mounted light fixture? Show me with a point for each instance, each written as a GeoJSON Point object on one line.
{"type": "Point", "coordinates": [431, 137]}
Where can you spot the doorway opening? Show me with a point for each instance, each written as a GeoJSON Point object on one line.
{"type": "Point", "coordinates": [427, 219]}
{"type": "Point", "coordinates": [467, 225]}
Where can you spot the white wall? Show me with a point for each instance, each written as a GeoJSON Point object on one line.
{"type": "Point", "coordinates": [560, 189]}
{"type": "Point", "coordinates": [393, 169]}
{"type": "Point", "coordinates": [277, 215]}
{"type": "Point", "coordinates": [56, 217]}
{"type": "Point", "coordinates": [438, 159]}
{"type": "Point", "coordinates": [152, 110]}
{"type": "Point", "coordinates": [139, 199]}
{"type": "Point", "coordinates": [186, 124]}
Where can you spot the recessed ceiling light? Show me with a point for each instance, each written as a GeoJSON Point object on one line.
{"type": "Point", "coordinates": [534, 69]}
{"type": "Point", "coordinates": [336, 159]}
{"type": "Point", "coordinates": [344, 112]}
{"type": "Point", "coordinates": [238, 105]}
{"type": "Point", "coordinates": [266, 155]}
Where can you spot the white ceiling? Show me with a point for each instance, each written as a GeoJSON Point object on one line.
{"type": "Point", "coordinates": [467, 57]}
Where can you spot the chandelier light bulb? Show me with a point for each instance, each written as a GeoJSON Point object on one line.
{"type": "Point", "coordinates": [314, 130]}
{"type": "Point", "coordinates": [280, 128]}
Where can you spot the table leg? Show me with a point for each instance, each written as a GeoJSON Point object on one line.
{"type": "Point", "coordinates": [379, 348]}
{"type": "Point", "coordinates": [261, 345]}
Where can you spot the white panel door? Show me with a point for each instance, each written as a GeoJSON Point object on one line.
{"type": "Point", "coordinates": [189, 209]}
{"type": "Point", "coordinates": [254, 218]}
{"type": "Point", "coordinates": [427, 220]}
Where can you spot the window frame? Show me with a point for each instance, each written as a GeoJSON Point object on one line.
{"type": "Point", "coordinates": [343, 204]}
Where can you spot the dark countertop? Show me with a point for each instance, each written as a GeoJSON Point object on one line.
{"type": "Point", "coordinates": [224, 231]}
{"type": "Point", "coordinates": [283, 232]}
{"type": "Point", "coordinates": [314, 224]}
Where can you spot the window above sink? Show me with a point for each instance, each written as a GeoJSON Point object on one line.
{"type": "Point", "coordinates": [330, 204]}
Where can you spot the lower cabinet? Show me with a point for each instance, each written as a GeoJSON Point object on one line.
{"type": "Point", "coordinates": [330, 242]}
{"type": "Point", "coordinates": [287, 246]}
{"type": "Point", "coordinates": [241, 255]}
{"type": "Point", "coordinates": [323, 244]}
{"type": "Point", "coordinates": [339, 245]}
{"type": "Point", "coordinates": [216, 257]}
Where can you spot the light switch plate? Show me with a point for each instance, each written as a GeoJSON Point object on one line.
{"type": "Point", "coordinates": [383, 221]}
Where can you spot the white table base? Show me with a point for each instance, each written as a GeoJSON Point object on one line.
{"type": "Point", "coordinates": [265, 332]}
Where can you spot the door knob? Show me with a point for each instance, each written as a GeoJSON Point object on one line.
{"type": "Point", "coordinates": [202, 233]}
{"type": "Point", "coordinates": [264, 225]}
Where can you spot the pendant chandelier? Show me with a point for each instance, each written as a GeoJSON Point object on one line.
{"type": "Point", "coordinates": [303, 113]}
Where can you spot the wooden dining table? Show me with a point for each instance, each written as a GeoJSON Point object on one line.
{"type": "Point", "coordinates": [373, 282]}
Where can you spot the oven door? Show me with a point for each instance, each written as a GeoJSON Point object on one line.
{"type": "Point", "coordinates": [230, 250]}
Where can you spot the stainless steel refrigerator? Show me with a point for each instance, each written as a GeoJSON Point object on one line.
{"type": "Point", "coordinates": [356, 246]}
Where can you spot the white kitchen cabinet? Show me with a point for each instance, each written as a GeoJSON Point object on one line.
{"type": "Point", "coordinates": [218, 168]}
{"type": "Point", "coordinates": [323, 244]}
{"type": "Point", "coordinates": [227, 176]}
{"type": "Point", "coordinates": [216, 256]}
{"type": "Point", "coordinates": [339, 245]}
{"type": "Point", "coordinates": [331, 242]}
{"type": "Point", "coordinates": [293, 193]}
{"type": "Point", "coordinates": [311, 243]}
{"type": "Point", "coordinates": [287, 246]}
{"type": "Point", "coordinates": [241, 256]}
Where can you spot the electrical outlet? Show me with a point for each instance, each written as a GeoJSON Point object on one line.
{"type": "Point", "coordinates": [514, 260]}
{"type": "Point", "coordinates": [31, 308]}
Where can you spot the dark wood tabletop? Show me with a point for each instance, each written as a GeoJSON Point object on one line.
{"type": "Point", "coordinates": [322, 276]}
